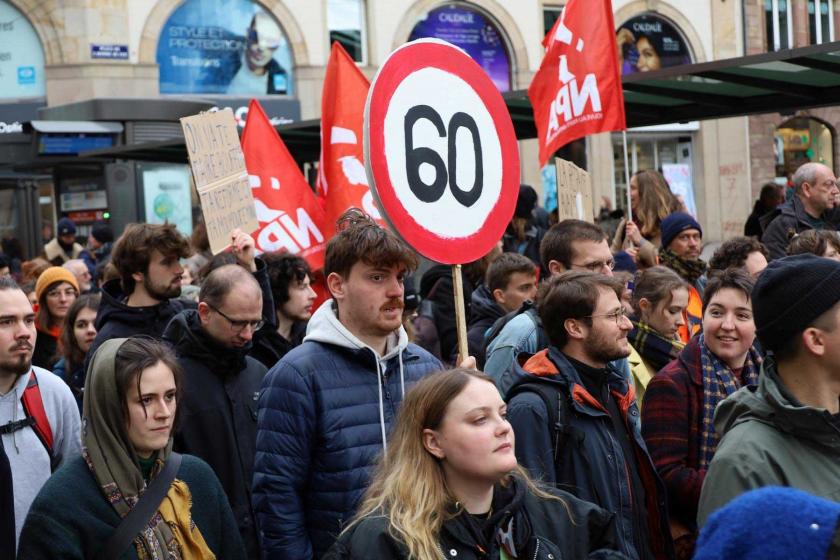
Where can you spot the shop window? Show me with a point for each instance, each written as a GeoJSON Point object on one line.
{"type": "Point", "coordinates": [778, 24]}
{"type": "Point", "coordinates": [820, 21]}
{"type": "Point", "coordinates": [234, 47]}
{"type": "Point", "coordinates": [550, 16]}
{"type": "Point", "coordinates": [649, 42]}
{"type": "Point", "coordinates": [346, 22]}
{"type": "Point", "coordinates": [800, 140]}
{"type": "Point", "coordinates": [474, 32]}
{"type": "Point", "coordinates": [21, 56]}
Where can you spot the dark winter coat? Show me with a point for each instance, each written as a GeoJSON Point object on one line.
{"type": "Point", "coordinates": [323, 412]}
{"type": "Point", "coordinates": [269, 345]}
{"type": "Point", "coordinates": [588, 463]}
{"type": "Point", "coordinates": [543, 529]}
{"type": "Point", "coordinates": [217, 412]}
{"type": "Point", "coordinates": [75, 379]}
{"type": "Point", "coordinates": [752, 227]}
{"type": "Point", "coordinates": [115, 319]}
{"type": "Point", "coordinates": [436, 286]}
{"type": "Point", "coordinates": [788, 219]}
{"type": "Point", "coordinates": [71, 518]}
{"type": "Point", "coordinates": [45, 352]}
{"type": "Point", "coordinates": [530, 247]}
{"type": "Point", "coordinates": [484, 311]}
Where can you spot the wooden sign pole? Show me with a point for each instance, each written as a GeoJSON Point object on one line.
{"type": "Point", "coordinates": [460, 313]}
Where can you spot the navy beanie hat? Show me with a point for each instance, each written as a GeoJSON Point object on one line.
{"type": "Point", "coordinates": [790, 293]}
{"type": "Point", "coordinates": [66, 226]}
{"type": "Point", "coordinates": [102, 232]}
{"type": "Point", "coordinates": [623, 261]}
{"type": "Point", "coordinates": [676, 223]}
{"type": "Point", "coordinates": [771, 523]}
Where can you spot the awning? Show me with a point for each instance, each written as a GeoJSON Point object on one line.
{"type": "Point", "coordinates": [782, 81]}
{"type": "Point", "coordinates": [77, 127]}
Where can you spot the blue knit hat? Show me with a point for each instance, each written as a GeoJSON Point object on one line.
{"type": "Point", "coordinates": [676, 223]}
{"type": "Point", "coordinates": [66, 226]}
{"type": "Point", "coordinates": [790, 293]}
{"type": "Point", "coordinates": [771, 523]}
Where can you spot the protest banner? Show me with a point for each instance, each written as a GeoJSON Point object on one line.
{"type": "Point", "coordinates": [574, 192]}
{"type": "Point", "coordinates": [218, 168]}
{"type": "Point", "coordinates": [443, 169]}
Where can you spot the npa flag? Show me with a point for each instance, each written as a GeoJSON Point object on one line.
{"type": "Point", "coordinates": [290, 216]}
{"type": "Point", "coordinates": [342, 181]}
{"type": "Point", "coordinates": [577, 90]}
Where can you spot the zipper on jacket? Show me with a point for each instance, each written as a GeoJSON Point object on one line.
{"type": "Point", "coordinates": [537, 549]}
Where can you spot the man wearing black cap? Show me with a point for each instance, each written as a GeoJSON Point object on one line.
{"type": "Point", "coordinates": [99, 244]}
{"type": "Point", "coordinates": [682, 242]}
{"type": "Point", "coordinates": [64, 246]}
{"type": "Point", "coordinates": [785, 431]}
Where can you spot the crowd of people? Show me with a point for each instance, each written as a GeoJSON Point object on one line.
{"type": "Point", "coordinates": [622, 398]}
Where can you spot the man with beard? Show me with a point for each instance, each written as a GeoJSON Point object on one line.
{"type": "Point", "coordinates": [327, 406]}
{"type": "Point", "coordinates": [682, 242]}
{"type": "Point", "coordinates": [64, 247]}
{"type": "Point", "coordinates": [575, 415]}
{"type": "Point", "coordinates": [144, 299]}
{"type": "Point", "coordinates": [217, 404]}
{"type": "Point", "coordinates": [26, 460]}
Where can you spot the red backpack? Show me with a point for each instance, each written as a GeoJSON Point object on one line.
{"type": "Point", "coordinates": [36, 416]}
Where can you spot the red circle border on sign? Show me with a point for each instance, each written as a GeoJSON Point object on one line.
{"type": "Point", "coordinates": [403, 62]}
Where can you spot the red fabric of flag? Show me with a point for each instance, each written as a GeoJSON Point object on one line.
{"type": "Point", "coordinates": [290, 216]}
{"type": "Point", "coordinates": [577, 90]}
{"type": "Point", "coordinates": [342, 181]}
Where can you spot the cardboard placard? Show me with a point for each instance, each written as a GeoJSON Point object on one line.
{"type": "Point", "coordinates": [221, 179]}
{"type": "Point", "coordinates": [574, 192]}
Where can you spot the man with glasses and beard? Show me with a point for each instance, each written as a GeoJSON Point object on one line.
{"type": "Point", "coordinates": [575, 415]}
{"type": "Point", "coordinates": [145, 297]}
{"type": "Point", "coordinates": [217, 403]}
{"type": "Point", "coordinates": [27, 461]}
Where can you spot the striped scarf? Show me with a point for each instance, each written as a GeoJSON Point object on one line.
{"type": "Point", "coordinates": [718, 383]}
{"type": "Point", "coordinates": [652, 346]}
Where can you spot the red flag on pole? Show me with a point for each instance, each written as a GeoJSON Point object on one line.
{"type": "Point", "coordinates": [289, 213]}
{"type": "Point", "coordinates": [577, 90]}
{"type": "Point", "coordinates": [342, 181]}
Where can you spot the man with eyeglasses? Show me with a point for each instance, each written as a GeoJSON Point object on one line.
{"type": "Point", "coordinates": [813, 206]}
{"type": "Point", "coordinates": [568, 245]}
{"type": "Point", "coordinates": [682, 242]}
{"type": "Point", "coordinates": [575, 414]}
{"type": "Point", "coordinates": [217, 400]}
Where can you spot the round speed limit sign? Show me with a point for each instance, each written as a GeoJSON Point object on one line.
{"type": "Point", "coordinates": [440, 152]}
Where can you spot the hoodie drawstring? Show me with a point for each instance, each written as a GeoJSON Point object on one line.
{"type": "Point", "coordinates": [402, 378]}
{"type": "Point", "coordinates": [381, 407]}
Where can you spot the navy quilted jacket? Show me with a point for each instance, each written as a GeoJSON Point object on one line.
{"type": "Point", "coordinates": [323, 415]}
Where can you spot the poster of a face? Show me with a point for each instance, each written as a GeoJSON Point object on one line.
{"type": "Point", "coordinates": [21, 56]}
{"type": "Point", "coordinates": [473, 32]}
{"type": "Point", "coordinates": [224, 47]}
{"type": "Point", "coordinates": [648, 42]}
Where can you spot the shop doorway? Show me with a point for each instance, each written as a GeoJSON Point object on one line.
{"type": "Point", "coordinates": [802, 140]}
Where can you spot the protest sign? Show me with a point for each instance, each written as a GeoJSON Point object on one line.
{"type": "Point", "coordinates": [574, 192]}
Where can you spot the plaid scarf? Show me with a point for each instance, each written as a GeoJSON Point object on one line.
{"type": "Point", "coordinates": [652, 346]}
{"type": "Point", "coordinates": [689, 270]}
{"type": "Point", "coordinates": [718, 383]}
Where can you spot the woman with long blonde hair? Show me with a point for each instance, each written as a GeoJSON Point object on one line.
{"type": "Point", "coordinates": [449, 487]}
{"type": "Point", "coordinates": [652, 200]}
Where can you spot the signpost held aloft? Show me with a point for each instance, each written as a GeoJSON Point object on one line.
{"type": "Point", "coordinates": [221, 179]}
{"type": "Point", "coordinates": [441, 156]}
{"type": "Point", "coordinates": [574, 192]}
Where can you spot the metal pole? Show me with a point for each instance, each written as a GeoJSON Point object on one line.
{"type": "Point", "coordinates": [627, 176]}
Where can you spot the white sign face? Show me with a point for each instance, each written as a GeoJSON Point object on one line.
{"type": "Point", "coordinates": [441, 155]}
{"type": "Point", "coordinates": [474, 158]}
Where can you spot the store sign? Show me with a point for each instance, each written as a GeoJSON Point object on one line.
{"type": "Point", "coordinates": [280, 110]}
{"type": "Point", "coordinates": [232, 47]}
{"type": "Point", "coordinates": [112, 52]}
{"type": "Point", "coordinates": [470, 30]}
{"type": "Point", "coordinates": [21, 56]}
{"type": "Point", "coordinates": [649, 42]}
{"type": "Point", "coordinates": [10, 128]}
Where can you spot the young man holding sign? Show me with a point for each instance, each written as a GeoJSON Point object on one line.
{"type": "Point", "coordinates": [327, 406]}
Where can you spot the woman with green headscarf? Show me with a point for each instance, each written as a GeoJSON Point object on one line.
{"type": "Point", "coordinates": [130, 400]}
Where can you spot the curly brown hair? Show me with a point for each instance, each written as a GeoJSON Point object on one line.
{"type": "Point", "coordinates": [133, 250]}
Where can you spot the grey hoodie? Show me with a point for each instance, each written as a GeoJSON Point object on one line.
{"type": "Point", "coordinates": [325, 327]}
{"type": "Point", "coordinates": [770, 439]}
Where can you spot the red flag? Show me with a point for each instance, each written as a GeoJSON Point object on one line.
{"type": "Point", "coordinates": [342, 180]}
{"type": "Point", "coordinates": [287, 209]}
{"type": "Point", "coordinates": [577, 90]}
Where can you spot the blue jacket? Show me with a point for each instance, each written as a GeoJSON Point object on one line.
{"type": "Point", "coordinates": [588, 465]}
{"type": "Point", "coordinates": [325, 410]}
{"type": "Point", "coordinates": [519, 336]}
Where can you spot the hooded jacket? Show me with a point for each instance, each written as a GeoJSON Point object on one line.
{"type": "Point", "coordinates": [269, 345]}
{"type": "Point", "coordinates": [436, 287]}
{"type": "Point", "coordinates": [588, 465]}
{"type": "Point", "coordinates": [217, 412]}
{"type": "Point", "coordinates": [484, 312]}
{"type": "Point", "coordinates": [770, 439]}
{"type": "Point", "coordinates": [788, 219]}
{"type": "Point", "coordinates": [325, 411]}
{"type": "Point", "coordinates": [543, 529]}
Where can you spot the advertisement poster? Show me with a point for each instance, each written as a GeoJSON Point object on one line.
{"type": "Point", "coordinates": [648, 43]}
{"type": "Point", "coordinates": [166, 190]}
{"type": "Point", "coordinates": [473, 32]}
{"type": "Point", "coordinates": [21, 56]}
{"type": "Point", "coordinates": [230, 47]}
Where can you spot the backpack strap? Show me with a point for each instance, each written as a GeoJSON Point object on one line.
{"type": "Point", "coordinates": [33, 407]}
